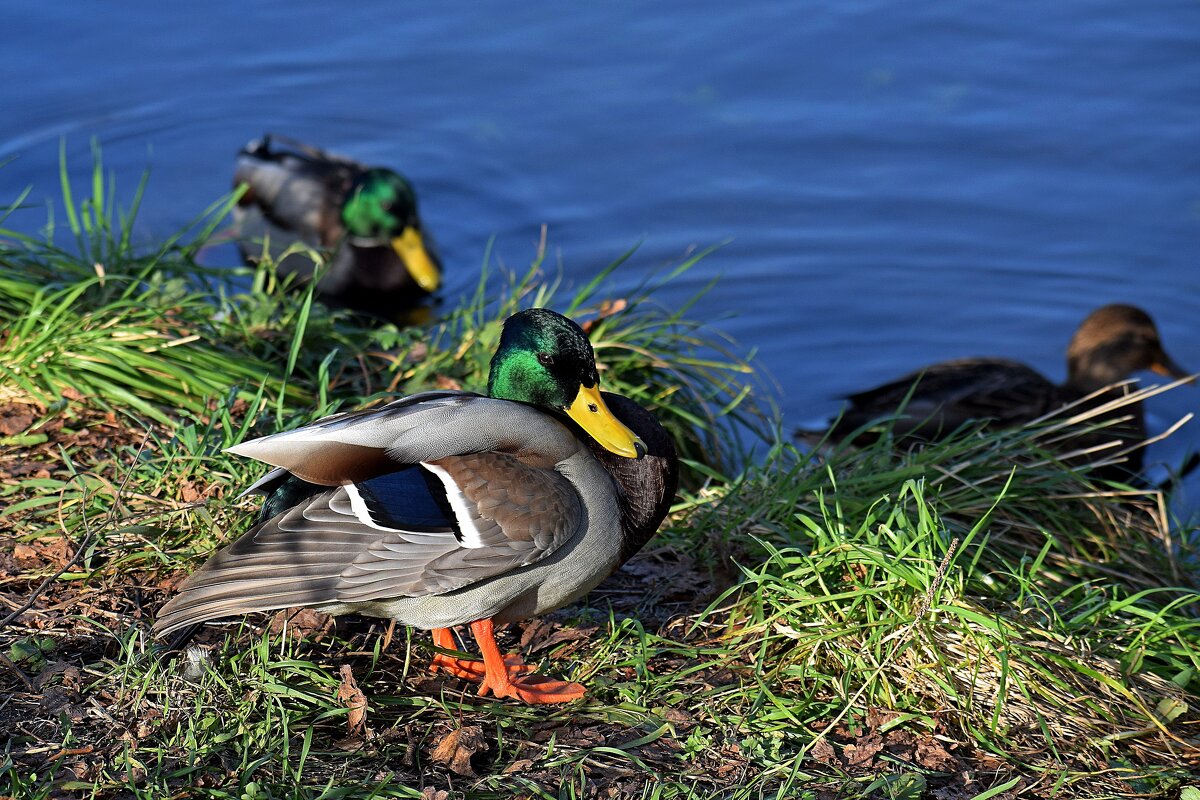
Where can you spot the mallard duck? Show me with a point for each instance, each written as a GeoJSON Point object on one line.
{"type": "Point", "coordinates": [1111, 344]}
{"type": "Point", "coordinates": [365, 218]}
{"type": "Point", "coordinates": [450, 508]}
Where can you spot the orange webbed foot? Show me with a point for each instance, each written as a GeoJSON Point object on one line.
{"type": "Point", "coordinates": [533, 689]}
{"type": "Point", "coordinates": [468, 669]}
{"type": "Point", "coordinates": [511, 677]}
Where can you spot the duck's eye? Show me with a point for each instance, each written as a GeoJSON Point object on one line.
{"type": "Point", "coordinates": [545, 359]}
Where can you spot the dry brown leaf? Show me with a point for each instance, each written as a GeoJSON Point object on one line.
{"type": "Point", "coordinates": [350, 696]}
{"type": "Point", "coordinates": [877, 718]}
{"type": "Point", "coordinates": [456, 748]}
{"type": "Point", "coordinates": [560, 636]}
{"type": "Point", "coordinates": [534, 630]}
{"type": "Point", "coordinates": [900, 743]}
{"type": "Point", "coordinates": [171, 582]}
{"type": "Point", "coordinates": [69, 672]}
{"type": "Point", "coordinates": [16, 418]}
{"type": "Point", "coordinates": [23, 552]}
{"type": "Point", "coordinates": [932, 755]}
{"type": "Point", "coordinates": [188, 492]}
{"type": "Point", "coordinates": [824, 753]}
{"type": "Point", "coordinates": [520, 765]}
{"type": "Point", "coordinates": [862, 753]}
{"type": "Point", "coordinates": [58, 552]}
{"type": "Point", "coordinates": [301, 623]}
{"type": "Point", "coordinates": [430, 793]}
{"type": "Point", "coordinates": [677, 716]}
{"type": "Point", "coordinates": [607, 309]}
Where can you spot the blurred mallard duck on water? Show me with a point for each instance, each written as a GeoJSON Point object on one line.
{"type": "Point", "coordinates": [452, 508]}
{"type": "Point", "coordinates": [1111, 344]}
{"type": "Point", "coordinates": [364, 219]}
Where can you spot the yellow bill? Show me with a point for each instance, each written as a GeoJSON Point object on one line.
{"type": "Point", "coordinates": [412, 252]}
{"type": "Point", "coordinates": [588, 409]}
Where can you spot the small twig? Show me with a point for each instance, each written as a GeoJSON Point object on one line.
{"type": "Point", "coordinates": [387, 636]}
{"type": "Point", "coordinates": [17, 671]}
{"type": "Point", "coordinates": [71, 751]}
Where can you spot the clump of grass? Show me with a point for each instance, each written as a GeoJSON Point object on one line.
{"type": "Point", "coordinates": [114, 327]}
{"type": "Point", "coordinates": [1074, 526]}
{"type": "Point", "coordinates": [1057, 636]}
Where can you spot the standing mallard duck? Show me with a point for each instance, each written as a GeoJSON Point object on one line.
{"type": "Point", "coordinates": [366, 219]}
{"type": "Point", "coordinates": [1111, 344]}
{"type": "Point", "coordinates": [451, 508]}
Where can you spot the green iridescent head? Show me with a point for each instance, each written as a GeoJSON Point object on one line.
{"type": "Point", "coordinates": [379, 206]}
{"type": "Point", "coordinates": [545, 359]}
{"type": "Point", "coordinates": [381, 211]}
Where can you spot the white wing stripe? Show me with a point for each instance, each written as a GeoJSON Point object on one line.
{"type": "Point", "coordinates": [359, 506]}
{"type": "Point", "coordinates": [471, 536]}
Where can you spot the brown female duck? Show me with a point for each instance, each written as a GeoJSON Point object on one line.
{"type": "Point", "coordinates": [1111, 344]}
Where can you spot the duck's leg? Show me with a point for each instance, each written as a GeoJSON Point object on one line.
{"type": "Point", "coordinates": [466, 668]}
{"type": "Point", "coordinates": [511, 677]}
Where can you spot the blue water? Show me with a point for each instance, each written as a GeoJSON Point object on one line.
{"type": "Point", "coordinates": [897, 182]}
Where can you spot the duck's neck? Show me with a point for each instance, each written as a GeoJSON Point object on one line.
{"type": "Point", "coordinates": [1089, 371]}
{"type": "Point", "coordinates": [647, 485]}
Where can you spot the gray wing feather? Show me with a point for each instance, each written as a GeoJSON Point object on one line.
{"type": "Point", "coordinates": [321, 552]}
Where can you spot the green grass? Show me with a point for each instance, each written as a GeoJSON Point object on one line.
{"type": "Point", "coordinates": [971, 618]}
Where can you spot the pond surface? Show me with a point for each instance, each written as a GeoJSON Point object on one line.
{"type": "Point", "coordinates": [896, 182]}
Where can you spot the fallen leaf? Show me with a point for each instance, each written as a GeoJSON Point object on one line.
{"type": "Point", "coordinates": [677, 716]}
{"type": "Point", "coordinates": [534, 630]}
{"type": "Point", "coordinates": [877, 718]}
{"type": "Point", "coordinates": [69, 672]}
{"type": "Point", "coordinates": [520, 765]}
{"type": "Point", "coordinates": [900, 743]}
{"type": "Point", "coordinates": [301, 623]}
{"type": "Point", "coordinates": [544, 642]}
{"type": "Point", "coordinates": [171, 582]}
{"type": "Point", "coordinates": [580, 736]}
{"type": "Point", "coordinates": [456, 748]}
{"type": "Point", "coordinates": [350, 696]}
{"type": "Point", "coordinates": [607, 309]}
{"type": "Point", "coordinates": [429, 793]}
{"type": "Point", "coordinates": [57, 701]}
{"type": "Point", "coordinates": [863, 752]}
{"type": "Point", "coordinates": [16, 418]}
{"type": "Point", "coordinates": [59, 552]}
{"type": "Point", "coordinates": [824, 753]}
{"type": "Point", "coordinates": [932, 755]}
{"type": "Point", "coordinates": [188, 492]}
